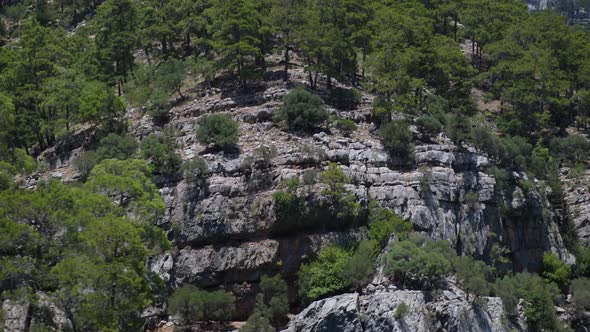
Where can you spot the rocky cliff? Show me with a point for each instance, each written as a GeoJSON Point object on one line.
{"type": "Point", "coordinates": [225, 232]}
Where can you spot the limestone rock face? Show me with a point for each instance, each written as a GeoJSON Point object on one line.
{"type": "Point", "coordinates": [379, 312]}
{"type": "Point", "coordinates": [577, 198]}
{"type": "Point", "coordinates": [338, 313]}
{"type": "Point", "coordinates": [15, 316]}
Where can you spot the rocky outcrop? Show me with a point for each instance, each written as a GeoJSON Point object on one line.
{"type": "Point", "coordinates": [577, 199]}
{"type": "Point", "coordinates": [402, 310]}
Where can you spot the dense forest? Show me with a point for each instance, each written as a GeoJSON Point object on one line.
{"type": "Point", "coordinates": [68, 67]}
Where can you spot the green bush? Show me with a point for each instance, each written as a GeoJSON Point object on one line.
{"type": "Point", "coordinates": [193, 304]}
{"type": "Point", "coordinates": [401, 311]}
{"type": "Point", "coordinates": [345, 99]}
{"type": "Point", "coordinates": [501, 176]}
{"type": "Point", "coordinates": [539, 311]}
{"type": "Point", "coordinates": [555, 270]}
{"type": "Point", "coordinates": [343, 204]}
{"type": "Point", "coordinates": [272, 301]}
{"type": "Point", "coordinates": [580, 290]}
{"type": "Point", "coordinates": [218, 129]}
{"type": "Point", "coordinates": [413, 265]}
{"type": "Point", "coordinates": [572, 148]}
{"type": "Point", "coordinates": [397, 139]}
{"type": "Point", "coordinates": [302, 110]}
{"type": "Point", "coordinates": [194, 169]}
{"type": "Point", "coordinates": [257, 322]}
{"type": "Point", "coordinates": [323, 276]}
{"type": "Point", "coordinates": [471, 275]}
{"type": "Point", "coordinates": [384, 222]}
{"type": "Point", "coordinates": [115, 146]}
{"type": "Point", "coordinates": [458, 128]}
{"type": "Point", "coordinates": [289, 208]}
{"type": "Point", "coordinates": [85, 162]}
{"type": "Point", "coordinates": [159, 150]}
{"type": "Point", "coordinates": [346, 126]}
{"type": "Point", "coordinates": [360, 267]}
{"type": "Point", "coordinates": [582, 267]}
{"type": "Point", "coordinates": [428, 126]}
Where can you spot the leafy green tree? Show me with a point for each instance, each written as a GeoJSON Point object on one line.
{"type": "Point", "coordinates": [324, 275]}
{"type": "Point", "coordinates": [413, 265]}
{"type": "Point", "coordinates": [272, 300]}
{"type": "Point", "coordinates": [159, 150]}
{"type": "Point", "coordinates": [218, 129]}
{"type": "Point", "coordinates": [458, 128]}
{"type": "Point", "coordinates": [397, 139]}
{"type": "Point", "coordinates": [302, 110]}
{"type": "Point", "coordinates": [428, 126]}
{"type": "Point", "coordinates": [116, 38]}
{"type": "Point", "coordinates": [112, 266]}
{"type": "Point", "coordinates": [7, 121]}
{"type": "Point", "coordinates": [360, 267]}
{"type": "Point", "coordinates": [114, 146]}
{"type": "Point", "coordinates": [580, 289]}
{"type": "Point", "coordinates": [257, 322]}
{"type": "Point", "coordinates": [235, 31]}
{"type": "Point", "coordinates": [127, 184]}
{"type": "Point", "coordinates": [99, 105]}
{"type": "Point", "coordinates": [572, 148]}
{"type": "Point", "coordinates": [289, 208]}
{"type": "Point", "coordinates": [471, 276]}
{"type": "Point", "coordinates": [343, 203]}
{"type": "Point", "coordinates": [555, 270]}
{"type": "Point", "coordinates": [285, 18]}
{"type": "Point", "coordinates": [193, 304]}
{"type": "Point", "coordinates": [384, 222]}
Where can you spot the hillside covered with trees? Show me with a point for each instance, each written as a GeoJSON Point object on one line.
{"type": "Point", "coordinates": [135, 130]}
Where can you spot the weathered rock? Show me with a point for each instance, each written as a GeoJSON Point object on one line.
{"type": "Point", "coordinates": [577, 198]}
{"type": "Point", "coordinates": [379, 312]}
{"type": "Point", "coordinates": [212, 266]}
{"type": "Point", "coordinates": [338, 313]}
{"type": "Point", "coordinates": [15, 315]}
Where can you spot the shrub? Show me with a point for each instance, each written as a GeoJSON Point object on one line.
{"type": "Point", "coordinates": [428, 126]}
{"type": "Point", "coordinates": [257, 322]}
{"type": "Point", "coordinates": [273, 302]}
{"type": "Point", "coordinates": [85, 162]}
{"type": "Point", "coordinates": [115, 146]}
{"type": "Point", "coordinates": [195, 169]}
{"type": "Point", "coordinates": [555, 270]}
{"type": "Point", "coordinates": [218, 129]}
{"type": "Point", "coordinates": [193, 304]}
{"type": "Point", "coordinates": [397, 139]}
{"type": "Point", "coordinates": [302, 110]}
{"type": "Point", "coordinates": [412, 265]}
{"type": "Point", "coordinates": [484, 140]}
{"type": "Point", "coordinates": [160, 151]}
{"type": "Point", "coordinates": [346, 126]}
{"type": "Point", "coordinates": [539, 310]}
{"type": "Point", "coordinates": [401, 311]}
{"type": "Point", "coordinates": [471, 275]}
{"type": "Point", "coordinates": [288, 208]}
{"type": "Point", "coordinates": [360, 267]}
{"type": "Point", "coordinates": [472, 200]}
{"type": "Point", "coordinates": [458, 128]}
{"type": "Point", "coordinates": [501, 176]}
{"type": "Point", "coordinates": [324, 275]}
{"type": "Point", "coordinates": [384, 222]}
{"type": "Point", "coordinates": [345, 99]}
{"type": "Point", "coordinates": [582, 267]}
{"type": "Point", "coordinates": [343, 204]}
{"type": "Point", "coordinates": [580, 290]}
{"type": "Point", "coordinates": [573, 148]}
